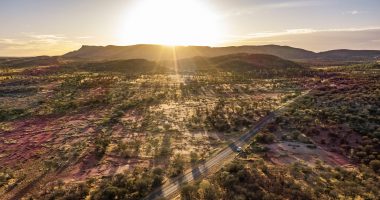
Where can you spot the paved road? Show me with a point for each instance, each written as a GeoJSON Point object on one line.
{"type": "Point", "coordinates": [172, 187]}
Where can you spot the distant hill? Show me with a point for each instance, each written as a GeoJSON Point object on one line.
{"type": "Point", "coordinates": [158, 52]}
{"type": "Point", "coordinates": [29, 61]}
{"type": "Point", "coordinates": [342, 54]}
{"type": "Point", "coordinates": [197, 54]}
{"type": "Point", "coordinates": [232, 62]}
{"type": "Point", "coordinates": [236, 62]}
{"type": "Point", "coordinates": [131, 66]}
{"type": "Point", "coordinates": [247, 62]}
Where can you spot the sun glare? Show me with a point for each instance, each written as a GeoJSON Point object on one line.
{"type": "Point", "coordinates": [171, 22]}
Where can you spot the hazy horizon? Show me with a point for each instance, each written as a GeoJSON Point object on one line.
{"type": "Point", "coordinates": [44, 27]}
{"type": "Point", "coordinates": [189, 99]}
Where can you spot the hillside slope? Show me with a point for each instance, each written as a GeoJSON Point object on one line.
{"type": "Point", "coordinates": [30, 61]}
{"type": "Point", "coordinates": [232, 62]}
{"type": "Point", "coordinates": [157, 52]}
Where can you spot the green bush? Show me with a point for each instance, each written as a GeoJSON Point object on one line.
{"type": "Point", "coordinates": [375, 165]}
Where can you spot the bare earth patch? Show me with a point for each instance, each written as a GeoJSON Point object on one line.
{"type": "Point", "coordinates": [288, 152]}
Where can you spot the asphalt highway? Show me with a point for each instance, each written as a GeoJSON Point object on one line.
{"type": "Point", "coordinates": [172, 188]}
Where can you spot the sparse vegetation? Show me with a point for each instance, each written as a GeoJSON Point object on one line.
{"type": "Point", "coordinates": [121, 133]}
{"type": "Point", "coordinates": [261, 180]}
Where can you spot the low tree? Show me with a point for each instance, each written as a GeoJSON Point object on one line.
{"type": "Point", "coordinates": [189, 192]}
{"type": "Point", "coordinates": [193, 157]}
{"type": "Point", "coordinates": [375, 165]}
{"type": "Point", "coordinates": [177, 165]}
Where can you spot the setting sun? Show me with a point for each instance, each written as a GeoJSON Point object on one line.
{"type": "Point", "coordinates": [171, 22]}
{"type": "Point", "coordinates": [189, 99]}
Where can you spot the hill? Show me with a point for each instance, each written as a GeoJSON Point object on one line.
{"type": "Point", "coordinates": [248, 62]}
{"type": "Point", "coordinates": [232, 62]}
{"type": "Point", "coordinates": [343, 54]}
{"type": "Point", "coordinates": [236, 62]}
{"type": "Point", "coordinates": [157, 52]}
{"type": "Point", "coordinates": [131, 66]}
{"type": "Point", "coordinates": [29, 61]}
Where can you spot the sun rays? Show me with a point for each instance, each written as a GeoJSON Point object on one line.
{"type": "Point", "coordinates": [171, 22]}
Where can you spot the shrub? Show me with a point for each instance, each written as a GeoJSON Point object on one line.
{"type": "Point", "coordinates": [265, 138]}
{"type": "Point", "coordinates": [375, 165]}
{"type": "Point", "coordinates": [177, 166]}
{"type": "Point", "coordinates": [189, 192]}
{"type": "Point", "coordinates": [193, 157]}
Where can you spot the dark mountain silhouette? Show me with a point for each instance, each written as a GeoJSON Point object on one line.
{"type": "Point", "coordinates": [253, 60]}
{"type": "Point", "coordinates": [30, 61]}
{"type": "Point", "coordinates": [121, 66]}
{"type": "Point", "coordinates": [158, 52]}
{"type": "Point", "coordinates": [237, 62]}
{"type": "Point", "coordinates": [342, 54]}
{"type": "Point", "coordinates": [235, 56]}
{"type": "Point", "coordinates": [231, 62]}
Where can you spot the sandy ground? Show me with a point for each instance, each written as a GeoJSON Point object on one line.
{"type": "Point", "coordinates": [288, 152]}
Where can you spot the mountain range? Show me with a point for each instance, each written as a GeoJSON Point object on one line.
{"type": "Point", "coordinates": [231, 62]}
{"type": "Point", "coordinates": [159, 52]}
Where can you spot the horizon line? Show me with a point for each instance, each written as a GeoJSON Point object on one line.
{"type": "Point", "coordinates": [172, 46]}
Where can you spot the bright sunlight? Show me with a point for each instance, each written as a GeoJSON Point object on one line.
{"type": "Point", "coordinates": [172, 22]}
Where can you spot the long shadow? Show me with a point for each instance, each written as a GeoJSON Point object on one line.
{"type": "Point", "coordinates": [179, 179]}
{"type": "Point", "coordinates": [165, 150]}
{"type": "Point", "coordinates": [21, 193]}
{"type": "Point", "coordinates": [74, 161]}
{"type": "Point", "coordinates": [32, 184]}
{"type": "Point", "coordinates": [233, 147]}
{"type": "Point", "coordinates": [159, 193]}
{"type": "Point", "coordinates": [155, 194]}
{"type": "Point", "coordinates": [196, 172]}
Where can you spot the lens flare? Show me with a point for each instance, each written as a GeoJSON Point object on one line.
{"type": "Point", "coordinates": [171, 22]}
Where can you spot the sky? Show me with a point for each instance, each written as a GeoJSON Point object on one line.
{"type": "Point", "coordinates": [54, 27]}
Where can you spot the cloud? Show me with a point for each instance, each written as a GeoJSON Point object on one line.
{"type": "Point", "coordinates": [262, 5]}
{"type": "Point", "coordinates": [33, 44]}
{"type": "Point", "coordinates": [292, 4]}
{"type": "Point", "coordinates": [316, 39]}
{"type": "Point", "coordinates": [46, 38]}
{"type": "Point", "coordinates": [353, 12]}
{"type": "Point", "coordinates": [85, 37]}
{"type": "Point", "coordinates": [7, 41]}
{"type": "Point", "coordinates": [52, 37]}
{"type": "Point", "coordinates": [306, 31]}
{"type": "Point", "coordinates": [286, 32]}
{"type": "Point", "coordinates": [30, 44]}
